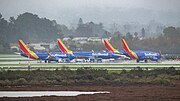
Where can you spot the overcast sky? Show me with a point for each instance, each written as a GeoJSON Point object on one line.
{"type": "Point", "coordinates": [63, 10]}
{"type": "Point", "coordinates": [41, 5]}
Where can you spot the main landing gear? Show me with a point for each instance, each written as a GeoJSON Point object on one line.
{"type": "Point", "coordinates": [137, 61]}
{"type": "Point", "coordinates": [47, 61]}
{"type": "Point", "coordinates": [144, 61]}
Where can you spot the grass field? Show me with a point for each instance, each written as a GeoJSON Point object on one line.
{"type": "Point", "coordinates": [94, 65]}
{"type": "Point", "coordinates": [10, 56]}
{"type": "Point", "coordinates": [111, 67]}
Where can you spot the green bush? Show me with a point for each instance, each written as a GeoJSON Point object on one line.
{"type": "Point", "coordinates": [58, 78]}
{"type": "Point", "coordinates": [34, 82]}
{"type": "Point", "coordinates": [160, 81]}
{"type": "Point", "coordinates": [87, 76]}
{"type": "Point", "coordinates": [5, 83]}
{"type": "Point", "coordinates": [117, 81]}
{"type": "Point", "coordinates": [100, 79]}
{"type": "Point", "coordinates": [20, 81]}
{"type": "Point", "coordinates": [175, 77]}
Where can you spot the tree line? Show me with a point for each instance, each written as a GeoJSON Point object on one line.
{"type": "Point", "coordinates": [31, 28]}
{"type": "Point", "coordinates": [166, 43]}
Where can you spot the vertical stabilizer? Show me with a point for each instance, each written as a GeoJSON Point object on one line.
{"type": "Point", "coordinates": [26, 50]}
{"type": "Point", "coordinates": [125, 46]}
{"type": "Point", "coordinates": [109, 47]}
{"type": "Point", "coordinates": [63, 48]}
{"type": "Point", "coordinates": [128, 50]}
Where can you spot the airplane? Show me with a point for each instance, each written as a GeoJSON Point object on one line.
{"type": "Point", "coordinates": [46, 56]}
{"type": "Point", "coordinates": [91, 56]}
{"type": "Point", "coordinates": [111, 49]}
{"type": "Point", "coordinates": [139, 55]}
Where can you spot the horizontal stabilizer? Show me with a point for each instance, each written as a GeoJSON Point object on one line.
{"type": "Point", "coordinates": [17, 53]}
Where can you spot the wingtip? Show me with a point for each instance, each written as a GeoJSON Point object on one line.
{"type": "Point", "coordinates": [19, 40]}
{"type": "Point", "coordinates": [105, 41]}
{"type": "Point", "coordinates": [123, 42]}
{"type": "Point", "coordinates": [58, 40]}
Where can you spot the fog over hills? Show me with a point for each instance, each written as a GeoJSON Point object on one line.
{"type": "Point", "coordinates": [119, 15]}
{"type": "Point", "coordinates": [146, 24]}
{"type": "Point", "coordinates": [108, 12]}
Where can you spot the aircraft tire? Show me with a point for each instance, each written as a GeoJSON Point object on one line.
{"type": "Point", "coordinates": [145, 61]}
{"type": "Point", "coordinates": [137, 61]}
{"type": "Point", "coordinates": [92, 60]}
{"type": "Point", "coordinates": [99, 61]}
{"type": "Point", "coordinates": [158, 61]}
